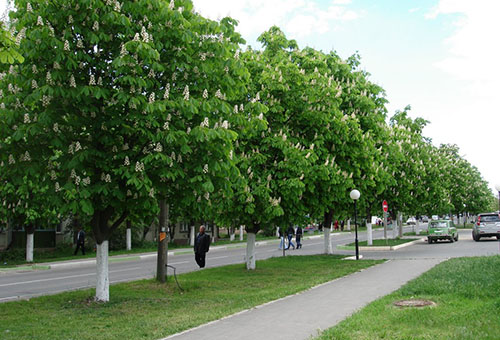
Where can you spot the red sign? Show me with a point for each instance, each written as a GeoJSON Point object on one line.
{"type": "Point", "coordinates": [385, 206]}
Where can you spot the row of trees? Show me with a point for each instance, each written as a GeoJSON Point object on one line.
{"type": "Point", "coordinates": [122, 108]}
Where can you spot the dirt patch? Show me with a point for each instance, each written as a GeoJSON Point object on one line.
{"type": "Point", "coordinates": [414, 303]}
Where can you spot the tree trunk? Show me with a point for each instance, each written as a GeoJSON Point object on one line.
{"type": "Point", "coordinates": [400, 224]}
{"type": "Point", "coordinates": [30, 242]}
{"type": "Point", "coordinates": [129, 235]}
{"type": "Point", "coordinates": [241, 233]}
{"type": "Point", "coordinates": [102, 285]}
{"type": "Point", "coordinates": [231, 233]}
{"type": "Point", "coordinates": [328, 217]}
{"type": "Point", "coordinates": [102, 232]}
{"type": "Point", "coordinates": [192, 234]}
{"type": "Point", "coordinates": [162, 240]}
{"type": "Point", "coordinates": [250, 258]}
{"type": "Point", "coordinates": [369, 234]}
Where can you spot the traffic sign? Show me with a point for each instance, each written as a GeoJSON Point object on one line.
{"type": "Point", "coordinates": [385, 206]}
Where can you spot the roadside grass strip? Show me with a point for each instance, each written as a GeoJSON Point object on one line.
{"type": "Point", "coordinates": [467, 306]}
{"type": "Point", "coordinates": [148, 310]}
{"type": "Point", "coordinates": [382, 244]}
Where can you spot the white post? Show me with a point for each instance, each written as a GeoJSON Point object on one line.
{"type": "Point", "coordinates": [241, 233]}
{"type": "Point", "coordinates": [129, 239]}
{"type": "Point", "coordinates": [328, 244]}
{"type": "Point", "coordinates": [349, 224]}
{"type": "Point", "coordinates": [250, 258]}
{"type": "Point", "coordinates": [191, 239]}
{"type": "Point", "coordinates": [29, 247]}
{"type": "Point", "coordinates": [102, 284]}
{"type": "Point", "coordinates": [369, 233]}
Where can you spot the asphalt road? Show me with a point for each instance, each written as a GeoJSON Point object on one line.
{"type": "Point", "coordinates": [16, 285]}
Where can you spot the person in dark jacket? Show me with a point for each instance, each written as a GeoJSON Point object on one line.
{"type": "Point", "coordinates": [80, 241]}
{"type": "Point", "coordinates": [282, 239]}
{"type": "Point", "coordinates": [201, 246]}
{"type": "Point", "coordinates": [298, 236]}
{"type": "Point", "coordinates": [290, 233]}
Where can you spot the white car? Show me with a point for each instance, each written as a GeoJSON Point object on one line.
{"type": "Point", "coordinates": [411, 220]}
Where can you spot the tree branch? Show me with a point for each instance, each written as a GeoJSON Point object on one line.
{"type": "Point", "coordinates": [118, 221]}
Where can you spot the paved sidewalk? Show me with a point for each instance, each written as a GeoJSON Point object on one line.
{"type": "Point", "coordinates": [305, 314]}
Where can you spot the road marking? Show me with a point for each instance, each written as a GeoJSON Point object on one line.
{"type": "Point", "coordinates": [9, 298]}
{"type": "Point", "coordinates": [219, 257]}
{"type": "Point", "coordinates": [124, 270]}
{"type": "Point", "coordinates": [178, 262]}
{"type": "Point", "coordinates": [45, 280]}
{"type": "Point", "coordinates": [65, 277]}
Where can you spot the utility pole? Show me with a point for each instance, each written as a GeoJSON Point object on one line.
{"type": "Point", "coordinates": [162, 243]}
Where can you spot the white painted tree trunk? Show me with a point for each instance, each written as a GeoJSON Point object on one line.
{"type": "Point", "coordinates": [129, 239]}
{"type": "Point", "coordinates": [30, 241]}
{"type": "Point", "coordinates": [102, 285]}
{"type": "Point", "coordinates": [400, 224]}
{"type": "Point", "coordinates": [191, 239]}
{"type": "Point", "coordinates": [369, 233]}
{"type": "Point", "coordinates": [328, 244]}
{"type": "Point", "coordinates": [277, 231]}
{"type": "Point", "coordinates": [250, 259]}
{"type": "Point", "coordinates": [417, 226]}
{"type": "Point", "coordinates": [231, 236]}
{"type": "Point", "coordinates": [349, 224]}
{"type": "Point", "coordinates": [241, 233]}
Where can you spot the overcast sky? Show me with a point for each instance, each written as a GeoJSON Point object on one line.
{"type": "Point", "coordinates": [439, 56]}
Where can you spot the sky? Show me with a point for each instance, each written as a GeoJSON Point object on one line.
{"type": "Point", "coordinates": [439, 56]}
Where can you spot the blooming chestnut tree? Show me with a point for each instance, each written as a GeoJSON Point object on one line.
{"type": "Point", "coordinates": [113, 98]}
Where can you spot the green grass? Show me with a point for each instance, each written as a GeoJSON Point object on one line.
{"type": "Point", "coordinates": [148, 310]}
{"type": "Point", "coordinates": [466, 291]}
{"type": "Point", "coordinates": [382, 242]}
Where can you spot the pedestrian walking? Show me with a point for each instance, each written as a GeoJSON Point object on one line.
{"type": "Point", "coordinates": [298, 236]}
{"type": "Point", "coordinates": [291, 233]}
{"type": "Point", "coordinates": [282, 239]}
{"type": "Point", "coordinates": [201, 246]}
{"type": "Point", "coordinates": [80, 241]}
{"type": "Point", "coordinates": [342, 225]}
{"type": "Point", "coordinates": [336, 225]}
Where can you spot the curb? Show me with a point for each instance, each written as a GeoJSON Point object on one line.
{"type": "Point", "coordinates": [381, 248]}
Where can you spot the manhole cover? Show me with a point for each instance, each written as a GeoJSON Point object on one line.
{"type": "Point", "coordinates": [414, 303]}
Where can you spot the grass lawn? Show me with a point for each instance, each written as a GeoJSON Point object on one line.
{"type": "Point", "coordinates": [465, 291]}
{"type": "Point", "coordinates": [148, 310]}
{"type": "Point", "coordinates": [382, 242]}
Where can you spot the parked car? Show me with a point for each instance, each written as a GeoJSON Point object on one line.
{"type": "Point", "coordinates": [435, 217]}
{"type": "Point", "coordinates": [411, 220]}
{"type": "Point", "coordinates": [442, 230]}
{"type": "Point", "coordinates": [487, 225]}
{"type": "Point", "coordinates": [425, 219]}
{"type": "Point", "coordinates": [310, 228]}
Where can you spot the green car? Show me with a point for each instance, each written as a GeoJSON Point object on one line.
{"type": "Point", "coordinates": [442, 230]}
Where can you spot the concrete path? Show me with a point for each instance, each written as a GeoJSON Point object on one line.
{"type": "Point", "coordinates": [305, 314]}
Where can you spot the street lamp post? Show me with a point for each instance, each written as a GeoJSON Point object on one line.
{"type": "Point", "coordinates": [498, 189]}
{"type": "Point", "coordinates": [355, 196]}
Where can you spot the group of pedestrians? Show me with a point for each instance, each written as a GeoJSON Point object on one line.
{"type": "Point", "coordinates": [290, 233]}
